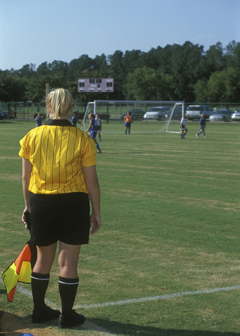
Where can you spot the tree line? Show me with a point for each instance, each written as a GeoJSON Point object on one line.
{"type": "Point", "coordinates": [175, 72]}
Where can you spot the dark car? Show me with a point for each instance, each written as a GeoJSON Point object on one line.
{"type": "Point", "coordinates": [177, 113]}
{"type": "Point", "coordinates": [137, 114]}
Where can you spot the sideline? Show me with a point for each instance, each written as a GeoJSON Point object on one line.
{"type": "Point", "coordinates": [144, 299]}
{"type": "Point", "coordinates": [161, 297]}
{"type": "Point", "coordinates": [89, 325]}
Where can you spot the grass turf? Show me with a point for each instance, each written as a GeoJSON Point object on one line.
{"type": "Point", "coordinates": [170, 223]}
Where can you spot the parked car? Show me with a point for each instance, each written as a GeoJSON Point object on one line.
{"type": "Point", "coordinates": [156, 113]}
{"type": "Point", "coordinates": [177, 113]}
{"type": "Point", "coordinates": [236, 115]}
{"type": "Point", "coordinates": [195, 111]}
{"type": "Point", "coordinates": [137, 114]}
{"type": "Point", "coordinates": [221, 115]}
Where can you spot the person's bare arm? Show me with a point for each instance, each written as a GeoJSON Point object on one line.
{"type": "Point", "coordinates": [94, 194]}
{"type": "Point", "coordinates": [90, 124]}
{"type": "Point", "coordinates": [26, 174]}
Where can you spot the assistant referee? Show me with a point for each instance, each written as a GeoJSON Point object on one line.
{"type": "Point", "coordinates": [58, 176]}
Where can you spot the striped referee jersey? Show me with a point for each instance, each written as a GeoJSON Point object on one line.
{"type": "Point", "coordinates": [58, 151]}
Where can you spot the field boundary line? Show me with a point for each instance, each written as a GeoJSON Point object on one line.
{"type": "Point", "coordinates": [144, 299]}
{"type": "Point", "coordinates": [89, 325]}
{"type": "Point", "coordinates": [159, 297]}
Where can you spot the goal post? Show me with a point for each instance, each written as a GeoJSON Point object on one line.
{"type": "Point", "coordinates": [148, 116]}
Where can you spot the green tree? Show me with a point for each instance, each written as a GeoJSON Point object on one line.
{"type": "Point", "coordinates": [43, 69]}
{"type": "Point", "coordinates": [12, 88]}
{"type": "Point", "coordinates": [100, 63]}
{"type": "Point", "coordinates": [222, 86]}
{"type": "Point", "coordinates": [28, 71]}
{"type": "Point", "coordinates": [147, 84]}
{"type": "Point", "coordinates": [215, 58]}
{"type": "Point", "coordinates": [77, 66]}
{"type": "Point", "coordinates": [201, 90]}
{"type": "Point", "coordinates": [118, 72]}
{"type": "Point", "coordinates": [186, 69]}
{"type": "Point", "coordinates": [58, 68]}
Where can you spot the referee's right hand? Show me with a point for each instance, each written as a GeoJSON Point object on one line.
{"type": "Point", "coordinates": [95, 223]}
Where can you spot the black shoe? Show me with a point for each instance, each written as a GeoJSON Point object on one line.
{"type": "Point", "coordinates": [44, 315]}
{"type": "Point", "coordinates": [71, 320]}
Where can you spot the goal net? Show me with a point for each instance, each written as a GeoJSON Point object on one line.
{"type": "Point", "coordinates": [148, 116]}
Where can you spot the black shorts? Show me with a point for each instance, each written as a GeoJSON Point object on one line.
{"type": "Point", "coordinates": [61, 217]}
{"type": "Point", "coordinates": [98, 128]}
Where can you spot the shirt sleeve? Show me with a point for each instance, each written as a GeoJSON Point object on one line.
{"type": "Point", "coordinates": [89, 154]}
{"type": "Point", "coordinates": [25, 149]}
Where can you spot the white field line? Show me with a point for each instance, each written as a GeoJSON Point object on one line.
{"type": "Point", "coordinates": [160, 297]}
{"type": "Point", "coordinates": [128, 301]}
{"type": "Point", "coordinates": [89, 325]}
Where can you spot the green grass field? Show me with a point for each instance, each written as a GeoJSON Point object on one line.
{"type": "Point", "coordinates": [170, 224]}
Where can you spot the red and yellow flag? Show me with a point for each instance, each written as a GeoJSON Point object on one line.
{"type": "Point", "coordinates": [19, 271]}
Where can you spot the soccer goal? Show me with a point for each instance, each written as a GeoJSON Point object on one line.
{"type": "Point", "coordinates": [148, 116]}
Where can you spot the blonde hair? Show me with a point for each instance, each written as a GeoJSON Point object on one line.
{"type": "Point", "coordinates": [59, 103]}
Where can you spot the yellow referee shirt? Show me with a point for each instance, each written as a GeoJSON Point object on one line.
{"type": "Point", "coordinates": [58, 151]}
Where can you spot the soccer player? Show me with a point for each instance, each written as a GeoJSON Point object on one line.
{"type": "Point", "coordinates": [99, 126]}
{"type": "Point", "coordinates": [38, 120]}
{"type": "Point", "coordinates": [183, 127]}
{"type": "Point", "coordinates": [75, 120]}
{"type": "Point", "coordinates": [58, 178]}
{"type": "Point", "coordinates": [202, 124]}
{"type": "Point", "coordinates": [128, 120]}
{"type": "Point", "coordinates": [92, 128]}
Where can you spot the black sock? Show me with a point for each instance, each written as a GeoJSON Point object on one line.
{"type": "Point", "coordinates": [39, 284]}
{"type": "Point", "coordinates": [68, 290]}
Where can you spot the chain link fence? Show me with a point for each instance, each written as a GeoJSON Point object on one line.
{"type": "Point", "coordinates": [28, 110]}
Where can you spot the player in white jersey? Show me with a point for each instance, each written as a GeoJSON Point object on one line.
{"type": "Point", "coordinates": [183, 127]}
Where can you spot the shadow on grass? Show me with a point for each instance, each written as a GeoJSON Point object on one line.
{"type": "Point", "coordinates": [13, 324]}
{"type": "Point", "coordinates": [117, 328]}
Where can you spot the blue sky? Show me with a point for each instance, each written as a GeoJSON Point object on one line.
{"type": "Point", "coordinates": [34, 31]}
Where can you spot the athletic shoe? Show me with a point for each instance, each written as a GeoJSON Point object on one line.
{"type": "Point", "coordinates": [197, 135]}
{"type": "Point", "coordinates": [204, 136]}
{"type": "Point", "coordinates": [71, 320]}
{"type": "Point", "coordinates": [44, 315]}
{"type": "Point", "coordinates": [99, 151]}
